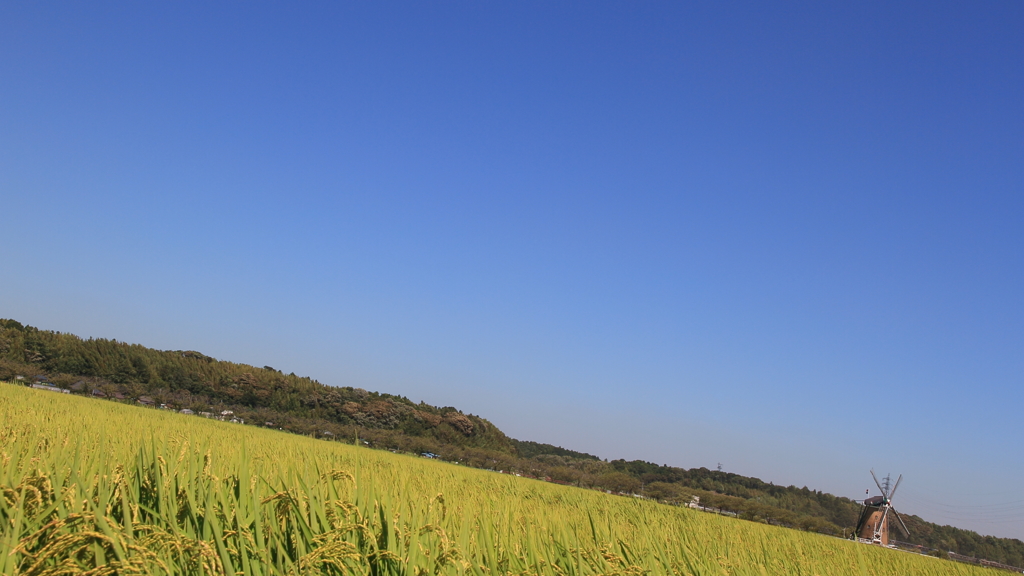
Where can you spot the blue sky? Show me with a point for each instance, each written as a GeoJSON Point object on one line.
{"type": "Point", "coordinates": [783, 238]}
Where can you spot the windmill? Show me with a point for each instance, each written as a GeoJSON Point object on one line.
{"type": "Point", "coordinates": [874, 519]}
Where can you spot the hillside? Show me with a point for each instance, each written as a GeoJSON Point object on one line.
{"type": "Point", "coordinates": [103, 488]}
{"type": "Point", "coordinates": [267, 398]}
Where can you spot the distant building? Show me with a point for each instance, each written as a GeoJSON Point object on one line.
{"type": "Point", "coordinates": [49, 388]}
{"type": "Point", "coordinates": [187, 411]}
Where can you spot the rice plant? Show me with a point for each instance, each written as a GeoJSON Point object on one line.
{"type": "Point", "coordinates": [95, 487]}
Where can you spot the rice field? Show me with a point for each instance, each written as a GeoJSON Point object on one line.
{"type": "Point", "coordinates": [95, 487]}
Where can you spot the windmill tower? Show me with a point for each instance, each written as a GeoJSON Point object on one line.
{"type": "Point", "coordinates": [874, 519]}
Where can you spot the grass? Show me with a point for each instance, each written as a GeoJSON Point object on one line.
{"type": "Point", "coordinates": [96, 487]}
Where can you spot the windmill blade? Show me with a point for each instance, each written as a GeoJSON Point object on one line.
{"type": "Point", "coordinates": [903, 526]}
{"type": "Point", "coordinates": [881, 526]}
{"type": "Point", "coordinates": [895, 487]}
{"type": "Point", "coordinates": [877, 483]}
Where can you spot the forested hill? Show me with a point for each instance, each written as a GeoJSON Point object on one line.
{"type": "Point", "coordinates": [266, 397]}
{"type": "Point", "coordinates": [191, 380]}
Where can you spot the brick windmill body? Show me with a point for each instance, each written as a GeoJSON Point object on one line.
{"type": "Point", "coordinates": [873, 525]}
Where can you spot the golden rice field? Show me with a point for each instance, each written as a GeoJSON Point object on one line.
{"type": "Point", "coordinates": [95, 487]}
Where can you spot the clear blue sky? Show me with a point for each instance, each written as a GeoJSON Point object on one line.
{"type": "Point", "coordinates": [787, 238]}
